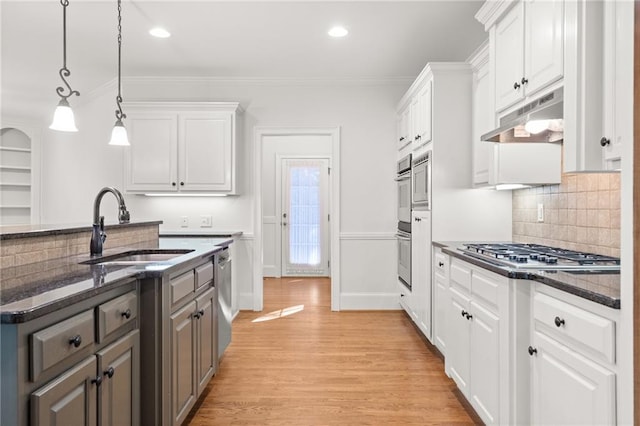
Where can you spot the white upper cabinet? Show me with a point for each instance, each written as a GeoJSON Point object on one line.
{"type": "Point", "coordinates": [415, 116]}
{"type": "Point", "coordinates": [528, 42]}
{"type": "Point", "coordinates": [598, 84]}
{"type": "Point", "coordinates": [181, 147]}
{"type": "Point", "coordinates": [403, 122]}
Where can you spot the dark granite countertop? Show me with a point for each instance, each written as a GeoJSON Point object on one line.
{"type": "Point", "coordinates": [11, 232]}
{"type": "Point", "coordinates": [30, 291]}
{"type": "Point", "coordinates": [203, 232]}
{"type": "Point", "coordinates": [602, 287]}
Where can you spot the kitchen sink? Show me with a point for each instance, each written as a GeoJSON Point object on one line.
{"type": "Point", "coordinates": [137, 257]}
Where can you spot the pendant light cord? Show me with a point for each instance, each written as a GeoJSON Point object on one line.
{"type": "Point", "coordinates": [64, 71]}
{"type": "Point", "coordinates": [119, 114]}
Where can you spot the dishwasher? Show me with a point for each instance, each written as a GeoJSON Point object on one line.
{"type": "Point", "coordinates": [223, 282]}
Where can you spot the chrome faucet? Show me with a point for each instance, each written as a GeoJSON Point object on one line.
{"type": "Point", "coordinates": [97, 234]}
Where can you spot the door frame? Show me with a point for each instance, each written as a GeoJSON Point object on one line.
{"type": "Point", "coordinates": [334, 200]}
{"type": "Point", "coordinates": [279, 193]}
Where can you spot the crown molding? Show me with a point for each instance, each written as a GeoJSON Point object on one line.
{"type": "Point", "coordinates": [267, 81]}
{"type": "Point", "coordinates": [492, 10]}
{"type": "Point", "coordinates": [480, 57]}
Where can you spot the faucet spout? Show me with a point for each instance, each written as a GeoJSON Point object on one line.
{"type": "Point", "coordinates": [97, 234]}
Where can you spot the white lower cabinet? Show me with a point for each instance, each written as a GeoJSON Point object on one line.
{"type": "Point", "coordinates": [573, 371]}
{"type": "Point", "coordinates": [440, 299]}
{"type": "Point", "coordinates": [479, 346]}
{"type": "Point", "coordinates": [421, 270]}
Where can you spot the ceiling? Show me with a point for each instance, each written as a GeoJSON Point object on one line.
{"type": "Point", "coordinates": [240, 39]}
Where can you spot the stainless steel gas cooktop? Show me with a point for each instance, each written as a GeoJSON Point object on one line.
{"type": "Point", "coordinates": [539, 257]}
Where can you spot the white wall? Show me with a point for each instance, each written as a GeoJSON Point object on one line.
{"type": "Point", "coordinates": [76, 166]}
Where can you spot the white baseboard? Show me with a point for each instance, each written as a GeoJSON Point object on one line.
{"type": "Point", "coordinates": [369, 301]}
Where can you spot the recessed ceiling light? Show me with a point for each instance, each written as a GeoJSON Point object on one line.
{"type": "Point", "coordinates": [338, 32]}
{"type": "Point", "coordinates": [159, 32]}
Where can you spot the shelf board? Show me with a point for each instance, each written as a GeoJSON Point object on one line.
{"type": "Point", "coordinates": [7, 167]}
{"type": "Point", "coordinates": [8, 148]}
{"type": "Point", "coordinates": [21, 185]}
{"type": "Point", "coordinates": [14, 207]}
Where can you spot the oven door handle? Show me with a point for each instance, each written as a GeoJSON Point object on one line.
{"type": "Point", "coordinates": [403, 177]}
{"type": "Point", "coordinates": [403, 238]}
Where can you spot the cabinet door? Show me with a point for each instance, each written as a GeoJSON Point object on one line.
{"type": "Point", "coordinates": [69, 400]}
{"type": "Point", "coordinates": [544, 43]}
{"type": "Point", "coordinates": [119, 393]}
{"type": "Point", "coordinates": [403, 128]}
{"type": "Point", "coordinates": [440, 308]}
{"type": "Point", "coordinates": [414, 118]}
{"type": "Point", "coordinates": [483, 122]}
{"type": "Point", "coordinates": [569, 388]}
{"type": "Point", "coordinates": [421, 269]}
{"type": "Point", "coordinates": [484, 364]}
{"type": "Point", "coordinates": [458, 329]}
{"type": "Point", "coordinates": [183, 386]}
{"type": "Point", "coordinates": [206, 156]}
{"type": "Point", "coordinates": [424, 123]}
{"type": "Point", "coordinates": [151, 160]}
{"type": "Point", "coordinates": [509, 59]}
{"type": "Point", "coordinates": [207, 338]}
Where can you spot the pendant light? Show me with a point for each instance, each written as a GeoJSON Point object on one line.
{"type": "Point", "coordinates": [63, 118]}
{"type": "Point", "coordinates": [119, 133]}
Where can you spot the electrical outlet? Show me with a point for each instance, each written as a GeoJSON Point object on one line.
{"type": "Point", "coordinates": [540, 212]}
{"type": "Point", "coordinates": [184, 221]}
{"type": "Point", "coordinates": [205, 221]}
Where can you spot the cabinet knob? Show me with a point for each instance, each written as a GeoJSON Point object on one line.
{"type": "Point", "coordinates": [559, 321]}
{"type": "Point", "coordinates": [401, 139]}
{"type": "Point", "coordinates": [76, 341]}
{"type": "Point", "coordinates": [181, 183]}
{"type": "Point", "coordinates": [469, 316]}
{"type": "Point", "coordinates": [532, 350]}
{"type": "Point", "coordinates": [173, 184]}
{"type": "Point", "coordinates": [516, 85]}
{"type": "Point", "coordinates": [524, 81]}
{"type": "Point", "coordinates": [126, 314]}
{"type": "Point", "coordinates": [109, 372]}
{"type": "Point", "coordinates": [417, 219]}
{"type": "Point", "coordinates": [440, 264]}
{"type": "Point", "coordinates": [401, 295]}
{"type": "Point", "coordinates": [604, 141]}
{"type": "Point", "coordinates": [201, 313]}
{"type": "Point", "coordinates": [97, 380]}
{"type": "Point", "coordinates": [464, 313]}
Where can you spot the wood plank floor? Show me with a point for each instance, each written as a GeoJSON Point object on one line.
{"type": "Point", "coordinates": [293, 366]}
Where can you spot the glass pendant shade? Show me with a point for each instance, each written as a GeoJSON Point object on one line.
{"type": "Point", "coordinates": [119, 135]}
{"type": "Point", "coordinates": [63, 118]}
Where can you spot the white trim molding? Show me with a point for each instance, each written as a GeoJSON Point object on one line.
{"type": "Point", "coordinates": [259, 134]}
{"type": "Point", "coordinates": [369, 301]}
{"type": "Point", "coordinates": [361, 236]}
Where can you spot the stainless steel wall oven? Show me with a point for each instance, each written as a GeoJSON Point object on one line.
{"type": "Point", "coordinates": [404, 221]}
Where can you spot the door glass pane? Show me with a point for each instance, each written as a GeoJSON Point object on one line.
{"type": "Point", "coordinates": [304, 221]}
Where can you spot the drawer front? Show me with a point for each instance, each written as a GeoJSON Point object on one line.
{"type": "Point", "coordinates": [441, 264]}
{"type": "Point", "coordinates": [55, 343]}
{"type": "Point", "coordinates": [576, 327]}
{"type": "Point", "coordinates": [204, 274]}
{"type": "Point", "coordinates": [116, 313]}
{"type": "Point", "coordinates": [182, 285]}
{"type": "Point", "coordinates": [485, 288]}
{"type": "Point", "coordinates": [460, 274]}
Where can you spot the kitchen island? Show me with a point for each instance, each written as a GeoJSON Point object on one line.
{"type": "Point", "coordinates": [74, 328]}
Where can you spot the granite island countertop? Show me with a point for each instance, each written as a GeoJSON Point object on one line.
{"type": "Point", "coordinates": [11, 232]}
{"type": "Point", "coordinates": [32, 290]}
{"type": "Point", "coordinates": [601, 287]}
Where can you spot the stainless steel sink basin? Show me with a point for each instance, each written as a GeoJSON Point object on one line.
{"type": "Point", "coordinates": [137, 257]}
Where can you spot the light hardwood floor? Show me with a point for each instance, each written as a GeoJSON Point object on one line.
{"type": "Point", "coordinates": [317, 367]}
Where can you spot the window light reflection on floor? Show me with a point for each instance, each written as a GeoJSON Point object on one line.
{"type": "Point", "coordinates": [280, 313]}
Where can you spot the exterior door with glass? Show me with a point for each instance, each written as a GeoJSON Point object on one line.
{"type": "Point", "coordinates": [305, 217]}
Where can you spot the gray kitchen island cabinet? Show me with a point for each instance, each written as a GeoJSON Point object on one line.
{"type": "Point", "coordinates": [180, 341]}
{"type": "Point", "coordinates": [56, 370]}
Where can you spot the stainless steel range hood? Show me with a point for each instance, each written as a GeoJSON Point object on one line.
{"type": "Point", "coordinates": [545, 113]}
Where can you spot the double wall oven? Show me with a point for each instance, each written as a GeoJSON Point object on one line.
{"type": "Point", "coordinates": [403, 234]}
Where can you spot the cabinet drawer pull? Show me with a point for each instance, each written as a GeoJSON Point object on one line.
{"type": "Point", "coordinates": [76, 341]}
{"type": "Point", "coordinates": [532, 350]}
{"type": "Point", "coordinates": [559, 321]}
{"type": "Point", "coordinates": [126, 314]}
{"type": "Point", "coordinates": [109, 372]}
{"type": "Point", "coordinates": [604, 141]}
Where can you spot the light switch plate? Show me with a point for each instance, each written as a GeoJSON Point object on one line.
{"type": "Point", "coordinates": [540, 212]}
{"type": "Point", "coordinates": [205, 221]}
{"type": "Point", "coordinates": [184, 221]}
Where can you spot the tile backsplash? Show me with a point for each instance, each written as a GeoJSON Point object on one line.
{"type": "Point", "coordinates": [581, 213]}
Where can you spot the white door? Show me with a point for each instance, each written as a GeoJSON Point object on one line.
{"type": "Point", "coordinates": [305, 216]}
